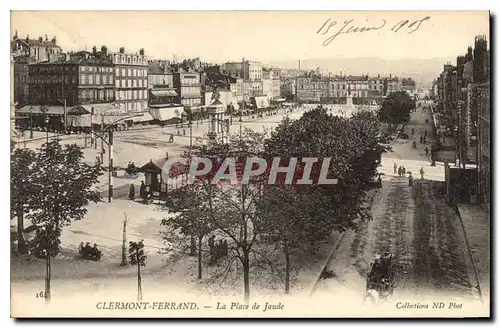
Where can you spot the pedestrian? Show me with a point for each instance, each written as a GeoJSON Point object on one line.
{"type": "Point", "coordinates": [379, 181]}
{"type": "Point", "coordinates": [224, 244]}
{"type": "Point", "coordinates": [184, 132]}
{"type": "Point", "coordinates": [142, 190]}
{"type": "Point", "coordinates": [404, 171]}
{"type": "Point", "coordinates": [422, 173]}
{"type": "Point", "coordinates": [426, 151]}
{"type": "Point", "coordinates": [410, 180]}
{"type": "Point", "coordinates": [421, 139]}
{"type": "Point", "coordinates": [425, 140]}
{"type": "Point", "coordinates": [400, 171]}
{"type": "Point", "coordinates": [395, 168]}
{"type": "Point", "coordinates": [131, 192]}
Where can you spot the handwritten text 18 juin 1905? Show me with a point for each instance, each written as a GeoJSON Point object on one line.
{"type": "Point", "coordinates": [328, 28]}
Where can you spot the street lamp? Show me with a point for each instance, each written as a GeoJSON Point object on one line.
{"type": "Point", "coordinates": [109, 142]}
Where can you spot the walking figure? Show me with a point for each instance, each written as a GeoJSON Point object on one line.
{"type": "Point", "coordinates": [131, 192]}
{"type": "Point", "coordinates": [410, 180]}
{"type": "Point", "coordinates": [421, 139]}
{"type": "Point", "coordinates": [404, 171]}
{"type": "Point", "coordinates": [395, 168]}
{"type": "Point", "coordinates": [422, 173]}
{"type": "Point", "coordinates": [400, 171]}
{"type": "Point", "coordinates": [426, 151]}
{"type": "Point", "coordinates": [142, 190]}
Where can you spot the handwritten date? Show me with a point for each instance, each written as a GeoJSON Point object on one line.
{"type": "Point", "coordinates": [331, 31]}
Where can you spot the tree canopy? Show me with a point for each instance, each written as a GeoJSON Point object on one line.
{"type": "Point", "coordinates": [396, 108]}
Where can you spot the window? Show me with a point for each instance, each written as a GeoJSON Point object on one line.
{"type": "Point", "coordinates": [134, 83]}
{"type": "Point", "coordinates": [134, 60]}
{"type": "Point", "coordinates": [128, 60]}
{"type": "Point", "coordinates": [117, 83]}
{"type": "Point", "coordinates": [98, 79]}
{"type": "Point", "coordinates": [135, 94]}
{"type": "Point", "coordinates": [140, 83]}
{"type": "Point", "coordinates": [118, 73]}
{"type": "Point", "coordinates": [123, 72]}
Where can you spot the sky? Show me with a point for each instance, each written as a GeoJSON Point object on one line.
{"type": "Point", "coordinates": [217, 36]}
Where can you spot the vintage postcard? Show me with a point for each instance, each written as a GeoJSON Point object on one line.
{"type": "Point", "coordinates": [298, 164]}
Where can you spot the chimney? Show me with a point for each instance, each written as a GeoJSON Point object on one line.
{"type": "Point", "coordinates": [141, 52]}
{"type": "Point", "coordinates": [54, 41]}
{"type": "Point", "coordinates": [94, 50]}
{"type": "Point", "coordinates": [122, 50]}
{"type": "Point", "coordinates": [104, 50]}
{"type": "Point", "coordinates": [15, 36]}
{"type": "Point", "coordinates": [67, 56]}
{"type": "Point", "coordinates": [27, 37]}
{"type": "Point", "coordinates": [40, 39]}
{"type": "Point", "coordinates": [46, 38]}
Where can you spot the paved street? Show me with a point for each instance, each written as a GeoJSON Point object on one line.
{"type": "Point", "coordinates": [417, 226]}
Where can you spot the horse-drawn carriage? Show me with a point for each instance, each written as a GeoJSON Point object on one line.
{"type": "Point", "coordinates": [380, 279]}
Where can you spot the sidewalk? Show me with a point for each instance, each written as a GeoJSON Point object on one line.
{"type": "Point", "coordinates": [476, 222]}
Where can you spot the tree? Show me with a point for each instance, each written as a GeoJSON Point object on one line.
{"type": "Point", "coordinates": [137, 257]}
{"type": "Point", "coordinates": [396, 108]}
{"type": "Point", "coordinates": [191, 218]}
{"type": "Point", "coordinates": [300, 215]}
{"type": "Point", "coordinates": [62, 189]}
{"type": "Point", "coordinates": [231, 208]}
{"type": "Point", "coordinates": [21, 190]}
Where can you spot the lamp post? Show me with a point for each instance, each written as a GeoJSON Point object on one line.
{"type": "Point", "coordinates": [31, 122]}
{"type": "Point", "coordinates": [109, 142]}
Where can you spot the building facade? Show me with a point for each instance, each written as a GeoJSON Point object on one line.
{"type": "Point", "coordinates": [363, 90]}
{"type": "Point", "coordinates": [39, 50]}
{"type": "Point", "coordinates": [188, 88]}
{"type": "Point", "coordinates": [131, 80]}
{"type": "Point", "coordinates": [484, 145]}
{"type": "Point", "coordinates": [81, 78]}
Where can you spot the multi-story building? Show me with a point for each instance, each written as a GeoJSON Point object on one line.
{"type": "Point", "coordinates": [27, 51]}
{"type": "Point", "coordinates": [484, 136]}
{"type": "Point", "coordinates": [80, 78]}
{"type": "Point", "coordinates": [409, 86]}
{"type": "Point", "coordinates": [335, 89]}
{"type": "Point", "coordinates": [161, 83]}
{"type": "Point", "coordinates": [55, 87]}
{"type": "Point", "coordinates": [21, 80]}
{"type": "Point", "coordinates": [248, 70]}
{"type": "Point", "coordinates": [288, 88]}
{"type": "Point", "coordinates": [312, 88]}
{"type": "Point", "coordinates": [131, 80]}
{"type": "Point", "coordinates": [38, 50]}
{"type": "Point", "coordinates": [188, 88]}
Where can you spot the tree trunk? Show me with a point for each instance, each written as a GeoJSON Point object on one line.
{"type": "Point", "coordinates": [192, 251]}
{"type": "Point", "coordinates": [200, 239]}
{"type": "Point", "coordinates": [21, 244]}
{"type": "Point", "coordinates": [287, 268]}
{"type": "Point", "coordinates": [139, 286]}
{"type": "Point", "coordinates": [47, 278]}
{"type": "Point", "coordinates": [246, 274]}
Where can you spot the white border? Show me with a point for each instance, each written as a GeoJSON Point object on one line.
{"type": "Point", "coordinates": [200, 5]}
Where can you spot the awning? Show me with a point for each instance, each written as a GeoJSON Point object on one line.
{"type": "Point", "coordinates": [164, 93]}
{"type": "Point", "coordinates": [166, 113]}
{"type": "Point", "coordinates": [145, 117]}
{"type": "Point", "coordinates": [38, 109]}
{"type": "Point", "coordinates": [105, 108]}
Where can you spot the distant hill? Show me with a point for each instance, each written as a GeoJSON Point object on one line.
{"type": "Point", "coordinates": [423, 71]}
